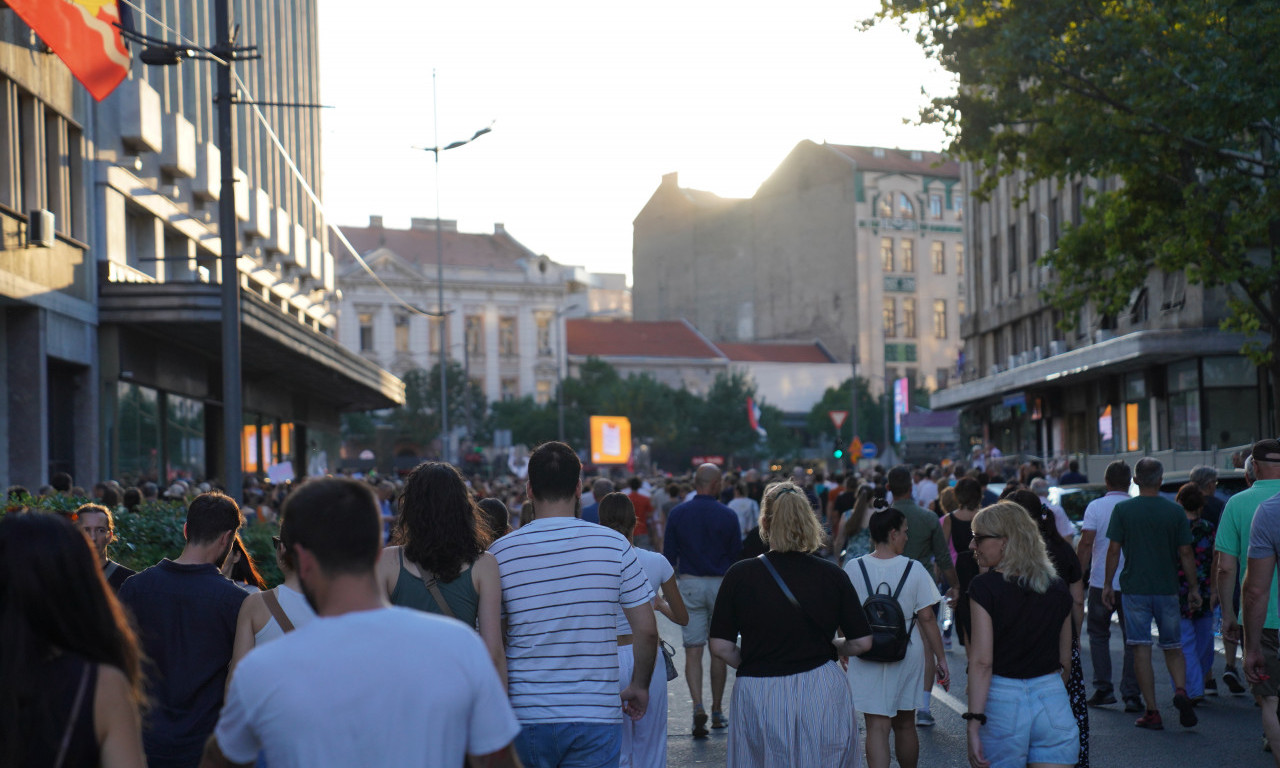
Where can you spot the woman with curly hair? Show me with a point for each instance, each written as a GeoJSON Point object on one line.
{"type": "Point", "coordinates": [1020, 648]}
{"type": "Point", "coordinates": [70, 685]}
{"type": "Point", "coordinates": [438, 562]}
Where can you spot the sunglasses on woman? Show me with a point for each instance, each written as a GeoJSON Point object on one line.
{"type": "Point", "coordinates": [980, 537]}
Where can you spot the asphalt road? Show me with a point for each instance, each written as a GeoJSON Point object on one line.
{"type": "Point", "coordinates": [1229, 732]}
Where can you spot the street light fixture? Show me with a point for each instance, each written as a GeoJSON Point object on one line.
{"type": "Point", "coordinates": [440, 311]}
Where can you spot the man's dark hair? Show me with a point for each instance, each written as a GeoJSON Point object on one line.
{"type": "Point", "coordinates": [968, 493]}
{"type": "Point", "coordinates": [495, 515]}
{"type": "Point", "coordinates": [1148, 473]}
{"type": "Point", "coordinates": [150, 490]}
{"type": "Point", "coordinates": [336, 519]}
{"type": "Point", "coordinates": [634, 483]}
{"type": "Point", "coordinates": [899, 482]}
{"type": "Point", "coordinates": [1118, 475]}
{"type": "Point", "coordinates": [132, 498]}
{"type": "Point", "coordinates": [1073, 465]}
{"type": "Point", "coordinates": [884, 521]}
{"type": "Point", "coordinates": [554, 472]}
{"type": "Point", "coordinates": [61, 482]}
{"type": "Point", "coordinates": [210, 515]}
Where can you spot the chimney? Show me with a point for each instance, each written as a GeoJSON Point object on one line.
{"type": "Point", "coordinates": [375, 222]}
{"type": "Point", "coordinates": [499, 228]}
{"type": "Point", "coordinates": [672, 179]}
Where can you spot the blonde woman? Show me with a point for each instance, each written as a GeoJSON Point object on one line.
{"type": "Point", "coordinates": [1020, 648]}
{"type": "Point", "coordinates": [791, 703]}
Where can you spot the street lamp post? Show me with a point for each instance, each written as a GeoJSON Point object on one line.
{"type": "Point", "coordinates": [440, 311]}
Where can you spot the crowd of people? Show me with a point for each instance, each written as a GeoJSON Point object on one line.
{"type": "Point", "coordinates": [437, 619]}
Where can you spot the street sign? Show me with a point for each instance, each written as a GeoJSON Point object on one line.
{"type": "Point", "coordinates": [838, 417]}
{"type": "Point", "coordinates": [869, 450]}
{"type": "Point", "coordinates": [856, 449]}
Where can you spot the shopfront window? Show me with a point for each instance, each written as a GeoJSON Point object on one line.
{"type": "Point", "coordinates": [1231, 401]}
{"type": "Point", "coordinates": [184, 433]}
{"type": "Point", "coordinates": [1184, 406]}
{"type": "Point", "coordinates": [1137, 413]}
{"type": "Point", "coordinates": [138, 446]}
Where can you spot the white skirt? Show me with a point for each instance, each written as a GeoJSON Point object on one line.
{"type": "Point", "coordinates": [794, 721]}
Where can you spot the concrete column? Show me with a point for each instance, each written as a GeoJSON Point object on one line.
{"type": "Point", "coordinates": [492, 387]}
{"type": "Point", "coordinates": [26, 372]}
{"type": "Point", "coordinates": [527, 346]}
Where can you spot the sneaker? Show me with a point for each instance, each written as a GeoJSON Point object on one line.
{"type": "Point", "coordinates": [1232, 679]}
{"type": "Point", "coordinates": [1211, 687]}
{"type": "Point", "coordinates": [718, 720]}
{"type": "Point", "coordinates": [1101, 699]}
{"type": "Point", "coordinates": [924, 719]}
{"type": "Point", "coordinates": [1133, 705]}
{"type": "Point", "coordinates": [1151, 721]}
{"type": "Point", "coordinates": [700, 725]}
{"type": "Point", "coordinates": [1186, 709]}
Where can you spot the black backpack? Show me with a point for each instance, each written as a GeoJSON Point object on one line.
{"type": "Point", "coordinates": [890, 633]}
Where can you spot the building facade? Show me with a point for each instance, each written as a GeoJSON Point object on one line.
{"type": "Point", "coordinates": [858, 247]}
{"type": "Point", "coordinates": [113, 328]}
{"type": "Point", "coordinates": [1157, 376]}
{"type": "Point", "coordinates": [504, 305]}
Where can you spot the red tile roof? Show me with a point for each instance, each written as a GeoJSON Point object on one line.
{"type": "Point", "coordinates": [899, 161]}
{"type": "Point", "coordinates": [462, 249]}
{"type": "Point", "coordinates": [604, 338]}
{"type": "Point", "coordinates": [774, 353]}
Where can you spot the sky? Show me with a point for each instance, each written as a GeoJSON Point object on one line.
{"type": "Point", "coordinates": [592, 102]}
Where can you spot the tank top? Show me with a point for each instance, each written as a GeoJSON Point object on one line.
{"type": "Point", "coordinates": [44, 720]}
{"type": "Point", "coordinates": [295, 606]}
{"type": "Point", "coordinates": [460, 594]}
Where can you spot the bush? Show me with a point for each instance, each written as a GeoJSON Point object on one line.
{"type": "Point", "coordinates": [153, 532]}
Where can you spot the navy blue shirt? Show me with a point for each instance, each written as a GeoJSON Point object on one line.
{"type": "Point", "coordinates": [591, 513]}
{"type": "Point", "coordinates": [702, 537]}
{"type": "Point", "coordinates": [186, 617]}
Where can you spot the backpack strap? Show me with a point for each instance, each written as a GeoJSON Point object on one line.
{"type": "Point", "coordinates": [277, 612]}
{"type": "Point", "coordinates": [902, 582]}
{"type": "Point", "coordinates": [866, 577]}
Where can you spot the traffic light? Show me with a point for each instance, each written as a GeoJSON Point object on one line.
{"type": "Point", "coordinates": [837, 450]}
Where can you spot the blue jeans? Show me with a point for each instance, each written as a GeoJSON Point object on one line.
{"type": "Point", "coordinates": [1141, 610]}
{"type": "Point", "coordinates": [570, 745]}
{"type": "Point", "coordinates": [1029, 721]}
{"type": "Point", "coordinates": [1197, 649]}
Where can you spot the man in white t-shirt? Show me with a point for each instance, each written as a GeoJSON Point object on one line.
{"type": "Point", "coordinates": [1092, 551]}
{"type": "Point", "coordinates": [562, 582]}
{"type": "Point", "coordinates": [363, 683]}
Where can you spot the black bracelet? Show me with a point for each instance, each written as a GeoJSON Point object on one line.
{"type": "Point", "coordinates": [981, 718]}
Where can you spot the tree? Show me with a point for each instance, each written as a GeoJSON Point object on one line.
{"type": "Point", "coordinates": [530, 424]}
{"type": "Point", "coordinates": [721, 425]}
{"type": "Point", "coordinates": [419, 418]}
{"type": "Point", "coordinates": [1174, 98]}
{"type": "Point", "coordinates": [870, 413]}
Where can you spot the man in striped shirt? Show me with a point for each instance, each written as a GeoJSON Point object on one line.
{"type": "Point", "coordinates": [562, 580]}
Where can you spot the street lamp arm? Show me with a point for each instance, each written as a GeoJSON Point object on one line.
{"type": "Point", "coordinates": [460, 143]}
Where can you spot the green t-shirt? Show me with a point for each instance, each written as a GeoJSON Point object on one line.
{"type": "Point", "coordinates": [1233, 536]}
{"type": "Point", "coordinates": [1150, 529]}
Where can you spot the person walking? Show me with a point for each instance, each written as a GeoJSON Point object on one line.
{"type": "Point", "coordinates": [956, 529]}
{"type": "Point", "coordinates": [1092, 551]}
{"type": "Point", "coordinates": [792, 707]}
{"type": "Point", "coordinates": [1153, 534]}
{"type": "Point", "coordinates": [563, 580]}
{"type": "Point", "coordinates": [1197, 624]}
{"type": "Point", "coordinates": [398, 687]}
{"type": "Point", "coordinates": [703, 538]}
{"type": "Point", "coordinates": [271, 614]}
{"type": "Point", "coordinates": [97, 523]}
{"type": "Point", "coordinates": [70, 679]}
{"type": "Point", "coordinates": [186, 613]}
{"type": "Point", "coordinates": [886, 693]}
{"type": "Point", "coordinates": [1020, 650]}
{"type": "Point", "coordinates": [644, 741]}
{"type": "Point", "coordinates": [438, 562]}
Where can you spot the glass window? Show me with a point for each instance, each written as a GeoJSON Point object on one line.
{"type": "Point", "coordinates": [507, 346]}
{"type": "Point", "coordinates": [886, 253]}
{"type": "Point", "coordinates": [1231, 416]}
{"type": "Point", "coordinates": [905, 209]}
{"type": "Point", "coordinates": [1135, 387]}
{"type": "Point", "coordinates": [938, 257]}
{"type": "Point", "coordinates": [138, 445]}
{"type": "Point", "coordinates": [940, 318]}
{"type": "Point", "coordinates": [184, 438]}
{"type": "Point", "coordinates": [1013, 249]}
{"type": "Point", "coordinates": [543, 392]}
{"type": "Point", "coordinates": [960, 259]}
{"type": "Point", "coordinates": [942, 377]}
{"type": "Point", "coordinates": [908, 256]}
{"type": "Point", "coordinates": [366, 331]}
{"type": "Point", "coordinates": [1229, 372]}
{"type": "Point", "coordinates": [935, 206]}
{"type": "Point", "coordinates": [542, 321]}
{"type": "Point", "coordinates": [890, 318]}
{"type": "Point", "coordinates": [909, 318]}
{"type": "Point", "coordinates": [402, 332]}
{"type": "Point", "coordinates": [434, 326]}
{"type": "Point", "coordinates": [475, 335]}
{"type": "Point", "coordinates": [1184, 376]}
{"type": "Point", "coordinates": [960, 307]}
{"type": "Point", "coordinates": [886, 206]}
{"type": "Point", "coordinates": [958, 202]}
{"type": "Point", "coordinates": [510, 388]}
{"type": "Point", "coordinates": [1184, 419]}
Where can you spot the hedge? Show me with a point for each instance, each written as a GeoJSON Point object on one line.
{"type": "Point", "coordinates": [153, 532]}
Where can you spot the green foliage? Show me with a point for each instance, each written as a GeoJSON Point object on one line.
{"type": "Point", "coordinates": [1172, 99]}
{"type": "Point", "coordinates": [153, 532]}
{"type": "Point", "coordinates": [530, 424]}
{"type": "Point", "coordinates": [870, 413]}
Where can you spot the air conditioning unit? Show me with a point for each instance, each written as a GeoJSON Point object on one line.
{"type": "Point", "coordinates": [1012, 363]}
{"type": "Point", "coordinates": [1057, 347]}
{"type": "Point", "coordinates": [40, 229]}
{"type": "Point", "coordinates": [1037, 354]}
{"type": "Point", "coordinates": [993, 370]}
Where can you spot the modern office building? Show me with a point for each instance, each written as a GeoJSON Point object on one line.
{"type": "Point", "coordinates": [857, 247]}
{"type": "Point", "coordinates": [1157, 376]}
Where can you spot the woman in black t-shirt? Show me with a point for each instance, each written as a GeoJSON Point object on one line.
{"type": "Point", "coordinates": [791, 702]}
{"type": "Point", "coordinates": [1020, 647]}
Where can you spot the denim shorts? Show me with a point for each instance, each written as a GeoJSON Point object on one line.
{"type": "Point", "coordinates": [569, 745]}
{"type": "Point", "coordinates": [1141, 610]}
{"type": "Point", "coordinates": [1029, 721]}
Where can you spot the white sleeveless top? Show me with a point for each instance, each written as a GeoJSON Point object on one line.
{"type": "Point", "coordinates": [295, 606]}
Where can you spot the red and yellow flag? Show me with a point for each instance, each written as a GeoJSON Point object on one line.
{"type": "Point", "coordinates": [82, 34]}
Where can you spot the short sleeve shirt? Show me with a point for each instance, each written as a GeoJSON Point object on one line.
{"type": "Point", "coordinates": [1097, 517]}
{"type": "Point", "coordinates": [1233, 536]}
{"type": "Point", "coordinates": [918, 592]}
{"type": "Point", "coordinates": [1150, 530]}
{"type": "Point", "coordinates": [1026, 625]}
